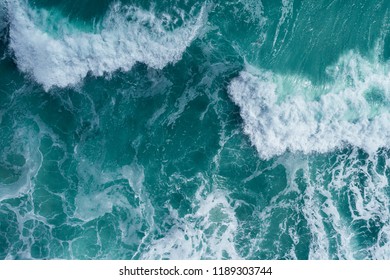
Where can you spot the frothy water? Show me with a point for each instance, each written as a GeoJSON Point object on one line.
{"type": "Point", "coordinates": [205, 234]}
{"type": "Point", "coordinates": [288, 113]}
{"type": "Point", "coordinates": [127, 35]}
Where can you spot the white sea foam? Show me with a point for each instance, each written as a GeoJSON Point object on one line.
{"type": "Point", "coordinates": [207, 233]}
{"type": "Point", "coordinates": [127, 35]}
{"type": "Point", "coordinates": [256, 10]}
{"type": "Point", "coordinates": [285, 112]}
{"type": "Point", "coordinates": [334, 232]}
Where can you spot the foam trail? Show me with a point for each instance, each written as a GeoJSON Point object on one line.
{"type": "Point", "coordinates": [381, 250]}
{"type": "Point", "coordinates": [256, 10]}
{"type": "Point", "coordinates": [66, 58]}
{"type": "Point", "coordinates": [207, 233]}
{"type": "Point", "coordinates": [284, 112]}
{"type": "Point", "coordinates": [27, 144]}
{"type": "Point", "coordinates": [319, 245]}
{"type": "Point", "coordinates": [287, 10]}
{"type": "Point", "coordinates": [321, 215]}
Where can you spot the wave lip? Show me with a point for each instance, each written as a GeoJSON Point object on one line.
{"type": "Point", "coordinates": [127, 35]}
{"type": "Point", "coordinates": [288, 113]}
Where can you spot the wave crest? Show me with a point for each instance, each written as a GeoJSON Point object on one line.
{"type": "Point", "coordinates": [127, 35]}
{"type": "Point", "coordinates": [288, 113]}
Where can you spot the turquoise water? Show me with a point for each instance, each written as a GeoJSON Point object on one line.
{"type": "Point", "coordinates": [194, 129]}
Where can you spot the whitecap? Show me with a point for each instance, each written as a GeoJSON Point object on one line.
{"type": "Point", "coordinates": [127, 35]}
{"type": "Point", "coordinates": [284, 112]}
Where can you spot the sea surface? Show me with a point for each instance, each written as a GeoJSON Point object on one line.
{"type": "Point", "coordinates": [183, 129]}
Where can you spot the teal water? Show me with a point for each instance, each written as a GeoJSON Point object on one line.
{"type": "Point", "coordinates": [194, 129]}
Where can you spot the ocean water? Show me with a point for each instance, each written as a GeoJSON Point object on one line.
{"type": "Point", "coordinates": [183, 129]}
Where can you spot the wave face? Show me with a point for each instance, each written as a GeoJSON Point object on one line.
{"type": "Point", "coordinates": [248, 129]}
